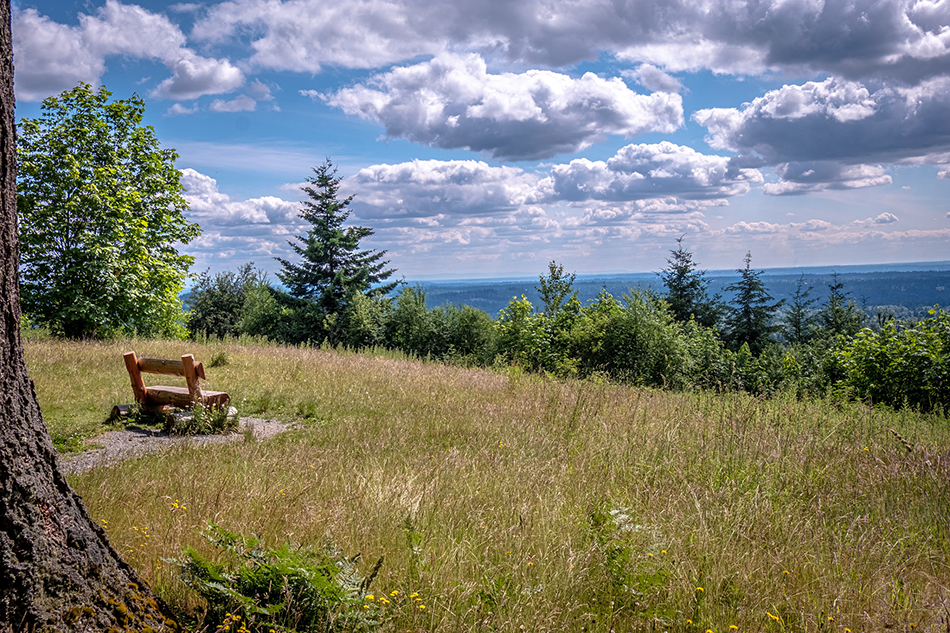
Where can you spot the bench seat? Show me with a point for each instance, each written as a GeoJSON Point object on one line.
{"type": "Point", "coordinates": [162, 395]}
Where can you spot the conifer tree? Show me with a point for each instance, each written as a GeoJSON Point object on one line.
{"type": "Point", "coordinates": [333, 267]}
{"type": "Point", "coordinates": [688, 289]}
{"type": "Point", "coordinates": [840, 315]}
{"type": "Point", "coordinates": [749, 319]}
{"type": "Point", "coordinates": [799, 321]}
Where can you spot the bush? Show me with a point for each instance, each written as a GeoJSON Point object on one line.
{"type": "Point", "coordinates": [901, 365]}
{"type": "Point", "coordinates": [639, 343]}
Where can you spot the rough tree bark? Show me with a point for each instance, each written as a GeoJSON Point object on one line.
{"type": "Point", "coordinates": [57, 569]}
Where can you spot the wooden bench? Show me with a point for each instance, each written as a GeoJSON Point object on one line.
{"type": "Point", "coordinates": [159, 397]}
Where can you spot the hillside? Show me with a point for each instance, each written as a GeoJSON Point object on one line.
{"type": "Point", "coordinates": [501, 501]}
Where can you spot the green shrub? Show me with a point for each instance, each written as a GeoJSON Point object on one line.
{"type": "Point", "coordinates": [203, 421]}
{"type": "Point", "coordinates": [282, 589]}
{"type": "Point", "coordinates": [901, 365]}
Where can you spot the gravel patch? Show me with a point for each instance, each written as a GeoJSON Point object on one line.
{"type": "Point", "coordinates": [120, 445]}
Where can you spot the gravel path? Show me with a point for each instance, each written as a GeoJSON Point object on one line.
{"type": "Point", "coordinates": [119, 445]}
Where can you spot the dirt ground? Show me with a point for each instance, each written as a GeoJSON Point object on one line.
{"type": "Point", "coordinates": [119, 445]}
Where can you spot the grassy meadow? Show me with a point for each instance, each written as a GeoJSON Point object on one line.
{"type": "Point", "coordinates": [508, 502]}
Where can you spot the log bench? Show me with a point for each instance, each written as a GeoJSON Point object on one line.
{"type": "Point", "coordinates": [160, 397]}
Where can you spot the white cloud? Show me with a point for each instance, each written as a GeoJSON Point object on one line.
{"type": "Point", "coordinates": [305, 35]}
{"type": "Point", "coordinates": [209, 207]}
{"type": "Point", "coordinates": [639, 172]}
{"type": "Point", "coordinates": [445, 190]}
{"type": "Point", "coordinates": [902, 41]}
{"type": "Point", "coordinates": [178, 109]}
{"type": "Point", "coordinates": [194, 76]}
{"type": "Point", "coordinates": [836, 120]}
{"type": "Point", "coordinates": [885, 218]}
{"type": "Point", "coordinates": [127, 29]}
{"type": "Point", "coordinates": [52, 57]}
{"type": "Point", "coordinates": [823, 135]}
{"type": "Point", "coordinates": [654, 79]}
{"type": "Point", "coordinates": [810, 177]}
{"type": "Point", "coordinates": [243, 103]}
{"type": "Point", "coordinates": [453, 102]}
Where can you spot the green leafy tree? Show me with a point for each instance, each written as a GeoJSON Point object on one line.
{"type": "Point", "coordinates": [216, 303]}
{"type": "Point", "coordinates": [688, 289]}
{"type": "Point", "coordinates": [800, 318]}
{"type": "Point", "coordinates": [332, 265]}
{"type": "Point", "coordinates": [555, 289]}
{"type": "Point", "coordinates": [101, 211]}
{"type": "Point", "coordinates": [749, 319]}
{"type": "Point", "coordinates": [905, 364]}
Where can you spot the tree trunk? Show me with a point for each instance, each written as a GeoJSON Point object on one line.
{"type": "Point", "coordinates": [57, 569]}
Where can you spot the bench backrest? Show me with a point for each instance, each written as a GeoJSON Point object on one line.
{"type": "Point", "coordinates": [186, 367]}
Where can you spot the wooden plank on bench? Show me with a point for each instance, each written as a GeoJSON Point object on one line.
{"type": "Point", "coordinates": [168, 367]}
{"type": "Point", "coordinates": [161, 395]}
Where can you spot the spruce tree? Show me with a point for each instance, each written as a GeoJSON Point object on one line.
{"type": "Point", "coordinates": [799, 321]}
{"type": "Point", "coordinates": [749, 319]}
{"type": "Point", "coordinates": [333, 267]}
{"type": "Point", "coordinates": [840, 315]}
{"type": "Point", "coordinates": [688, 289]}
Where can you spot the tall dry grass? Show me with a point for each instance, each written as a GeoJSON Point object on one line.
{"type": "Point", "coordinates": [511, 503]}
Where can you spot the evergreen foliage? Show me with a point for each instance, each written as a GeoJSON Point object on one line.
{"type": "Point", "coordinates": [799, 321]}
{"type": "Point", "coordinates": [332, 266]}
{"type": "Point", "coordinates": [688, 289]}
{"type": "Point", "coordinates": [840, 315]}
{"type": "Point", "coordinates": [749, 319]}
{"type": "Point", "coordinates": [101, 210]}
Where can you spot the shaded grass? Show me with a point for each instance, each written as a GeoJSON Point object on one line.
{"type": "Point", "coordinates": [506, 501]}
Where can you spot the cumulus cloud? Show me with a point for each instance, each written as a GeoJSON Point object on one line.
{"type": "Point", "coordinates": [639, 172]}
{"type": "Point", "coordinates": [178, 109]}
{"type": "Point", "coordinates": [654, 79]}
{"type": "Point", "coordinates": [209, 207]}
{"type": "Point", "coordinates": [809, 177]}
{"type": "Point", "coordinates": [836, 120]}
{"type": "Point", "coordinates": [903, 41]}
{"type": "Point", "coordinates": [453, 102]}
{"type": "Point", "coordinates": [194, 76]}
{"type": "Point", "coordinates": [438, 189]}
{"type": "Point", "coordinates": [885, 218]}
{"type": "Point", "coordinates": [243, 103]}
{"type": "Point", "coordinates": [824, 135]}
{"type": "Point", "coordinates": [52, 57]}
{"type": "Point", "coordinates": [124, 29]}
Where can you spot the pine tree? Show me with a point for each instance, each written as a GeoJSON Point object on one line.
{"type": "Point", "coordinates": [333, 265]}
{"type": "Point", "coordinates": [749, 319]}
{"type": "Point", "coordinates": [688, 289]}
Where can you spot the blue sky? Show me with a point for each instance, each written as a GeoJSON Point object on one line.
{"type": "Point", "coordinates": [489, 137]}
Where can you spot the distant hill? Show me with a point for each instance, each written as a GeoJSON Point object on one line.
{"type": "Point", "coordinates": [903, 289]}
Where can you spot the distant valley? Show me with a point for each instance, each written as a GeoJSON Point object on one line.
{"type": "Point", "coordinates": [906, 290]}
